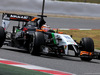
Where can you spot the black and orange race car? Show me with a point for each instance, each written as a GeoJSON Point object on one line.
{"type": "Point", "coordinates": [33, 35]}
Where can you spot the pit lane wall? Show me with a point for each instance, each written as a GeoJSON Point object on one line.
{"type": "Point", "coordinates": [52, 7]}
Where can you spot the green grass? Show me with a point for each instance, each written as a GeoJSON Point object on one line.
{"type": "Point", "coordinates": [11, 70]}
{"type": "Point", "coordinates": [90, 1]}
{"type": "Point", "coordinates": [78, 34]}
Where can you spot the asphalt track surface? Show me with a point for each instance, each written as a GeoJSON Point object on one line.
{"type": "Point", "coordinates": [52, 7]}
{"type": "Point", "coordinates": [73, 23]}
{"type": "Point", "coordinates": [66, 64]}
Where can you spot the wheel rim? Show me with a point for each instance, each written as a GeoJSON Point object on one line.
{"type": "Point", "coordinates": [44, 49]}
{"type": "Point", "coordinates": [31, 47]}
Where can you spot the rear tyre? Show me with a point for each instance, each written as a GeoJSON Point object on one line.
{"type": "Point", "coordinates": [2, 36]}
{"type": "Point", "coordinates": [88, 46]}
{"type": "Point", "coordinates": [34, 46]}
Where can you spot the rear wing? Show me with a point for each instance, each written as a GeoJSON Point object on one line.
{"type": "Point", "coordinates": [15, 17]}
{"type": "Point", "coordinates": [6, 18]}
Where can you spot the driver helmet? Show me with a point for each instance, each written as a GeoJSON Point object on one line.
{"type": "Point", "coordinates": [45, 28]}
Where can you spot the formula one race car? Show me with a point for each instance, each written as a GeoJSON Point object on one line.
{"type": "Point", "coordinates": [31, 37]}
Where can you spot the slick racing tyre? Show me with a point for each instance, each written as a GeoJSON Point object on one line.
{"type": "Point", "coordinates": [88, 48]}
{"type": "Point", "coordinates": [34, 46]}
{"type": "Point", "coordinates": [2, 36]}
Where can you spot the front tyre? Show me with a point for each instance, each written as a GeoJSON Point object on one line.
{"type": "Point", "coordinates": [36, 42]}
{"type": "Point", "coordinates": [87, 49]}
